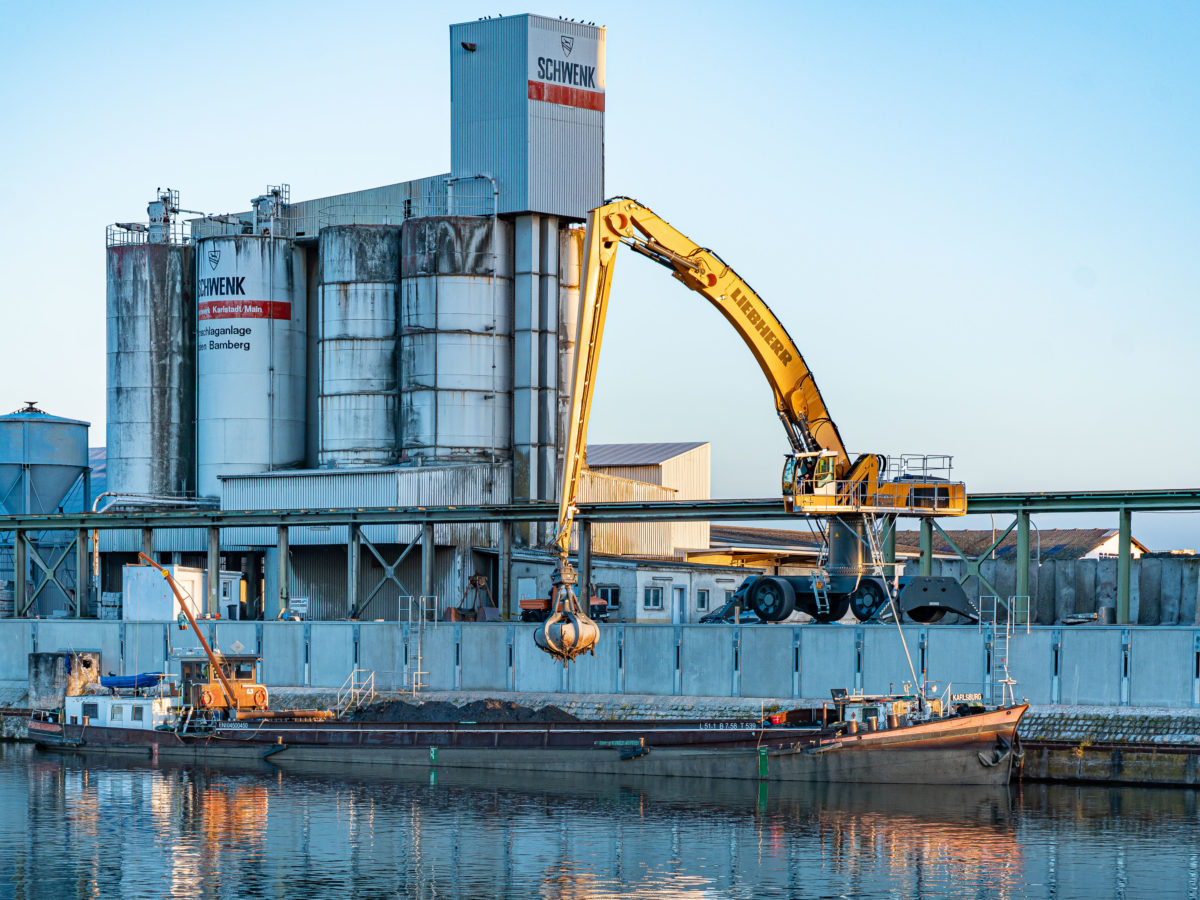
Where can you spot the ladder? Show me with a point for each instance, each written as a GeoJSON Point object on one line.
{"type": "Point", "coordinates": [819, 578]}
{"type": "Point", "coordinates": [879, 562]}
{"type": "Point", "coordinates": [1016, 609]}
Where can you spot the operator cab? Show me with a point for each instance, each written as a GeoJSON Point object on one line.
{"type": "Point", "coordinates": [202, 687]}
{"type": "Point", "coordinates": [810, 473]}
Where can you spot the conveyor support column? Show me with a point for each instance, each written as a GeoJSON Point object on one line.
{"type": "Point", "coordinates": [1123, 542]}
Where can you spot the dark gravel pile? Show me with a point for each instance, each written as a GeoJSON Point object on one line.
{"type": "Point", "coordinates": [440, 711]}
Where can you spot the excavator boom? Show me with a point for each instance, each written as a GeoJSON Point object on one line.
{"type": "Point", "coordinates": [819, 477]}
{"type": "Point", "coordinates": [798, 400]}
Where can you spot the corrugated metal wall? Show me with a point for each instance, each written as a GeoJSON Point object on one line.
{"type": "Point", "coordinates": [319, 573]}
{"type": "Point", "coordinates": [626, 538]}
{"type": "Point", "coordinates": [690, 474]}
{"type": "Point", "coordinates": [489, 127]}
{"type": "Point", "coordinates": [687, 477]}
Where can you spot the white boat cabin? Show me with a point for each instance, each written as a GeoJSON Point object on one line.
{"type": "Point", "coordinates": [146, 713]}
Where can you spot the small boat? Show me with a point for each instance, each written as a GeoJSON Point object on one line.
{"type": "Point", "coordinates": [220, 713]}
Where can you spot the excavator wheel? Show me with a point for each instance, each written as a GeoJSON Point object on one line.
{"type": "Point", "coordinates": [867, 600]}
{"type": "Point", "coordinates": [772, 599]}
{"type": "Point", "coordinates": [839, 605]}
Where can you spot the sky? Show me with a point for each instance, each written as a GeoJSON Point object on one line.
{"type": "Point", "coordinates": [979, 222]}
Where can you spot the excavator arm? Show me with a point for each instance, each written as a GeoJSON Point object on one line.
{"type": "Point", "coordinates": [798, 401]}
{"type": "Point", "coordinates": [819, 477]}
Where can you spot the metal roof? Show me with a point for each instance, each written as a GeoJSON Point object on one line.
{"type": "Point", "coordinates": [599, 455]}
{"type": "Point", "coordinates": [31, 413]}
{"type": "Point", "coordinates": [1054, 543]}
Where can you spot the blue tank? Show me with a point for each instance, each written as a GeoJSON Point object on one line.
{"type": "Point", "coordinates": [41, 458]}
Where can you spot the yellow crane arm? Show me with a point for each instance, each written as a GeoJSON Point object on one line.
{"type": "Point", "coordinates": [798, 401]}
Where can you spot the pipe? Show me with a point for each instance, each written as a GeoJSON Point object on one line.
{"type": "Point", "coordinates": [151, 500]}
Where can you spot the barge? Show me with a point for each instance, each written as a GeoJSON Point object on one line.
{"type": "Point", "coordinates": [967, 746]}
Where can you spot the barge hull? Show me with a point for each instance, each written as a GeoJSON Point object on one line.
{"type": "Point", "coordinates": [969, 750]}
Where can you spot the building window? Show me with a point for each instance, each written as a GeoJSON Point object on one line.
{"type": "Point", "coordinates": [702, 599]}
{"type": "Point", "coordinates": [138, 713]}
{"type": "Point", "coordinates": [653, 599]}
{"type": "Point", "coordinates": [611, 594]}
{"type": "Point", "coordinates": [118, 713]}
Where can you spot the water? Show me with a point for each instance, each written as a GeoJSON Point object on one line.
{"type": "Point", "coordinates": [91, 826]}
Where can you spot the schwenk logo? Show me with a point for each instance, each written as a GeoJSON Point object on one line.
{"type": "Point", "coordinates": [568, 44]}
{"type": "Point", "coordinates": [214, 257]}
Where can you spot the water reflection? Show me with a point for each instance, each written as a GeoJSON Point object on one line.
{"type": "Point", "coordinates": [89, 826]}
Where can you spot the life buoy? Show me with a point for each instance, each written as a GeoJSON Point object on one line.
{"type": "Point", "coordinates": [206, 698]}
{"type": "Point", "coordinates": [260, 698]}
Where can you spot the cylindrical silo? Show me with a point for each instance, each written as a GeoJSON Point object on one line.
{"type": "Point", "coordinates": [151, 368]}
{"type": "Point", "coordinates": [359, 295]}
{"type": "Point", "coordinates": [456, 339]}
{"type": "Point", "coordinates": [250, 356]}
{"type": "Point", "coordinates": [41, 458]}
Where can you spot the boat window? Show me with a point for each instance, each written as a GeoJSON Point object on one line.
{"type": "Point", "coordinates": [118, 713]}
{"type": "Point", "coordinates": [138, 712]}
{"type": "Point", "coordinates": [91, 710]}
{"type": "Point", "coordinates": [74, 720]}
{"type": "Point", "coordinates": [244, 671]}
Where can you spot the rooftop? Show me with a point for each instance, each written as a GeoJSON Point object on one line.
{"type": "Point", "coordinates": [599, 455]}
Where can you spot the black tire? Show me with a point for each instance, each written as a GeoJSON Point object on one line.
{"type": "Point", "coordinates": [839, 605]}
{"type": "Point", "coordinates": [772, 599]}
{"type": "Point", "coordinates": [867, 600]}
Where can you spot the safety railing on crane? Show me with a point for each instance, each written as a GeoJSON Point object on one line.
{"type": "Point", "coordinates": [908, 495]}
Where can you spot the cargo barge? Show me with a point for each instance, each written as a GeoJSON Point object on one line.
{"type": "Point", "coordinates": [973, 747]}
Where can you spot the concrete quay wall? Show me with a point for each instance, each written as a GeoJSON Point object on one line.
{"type": "Point", "coordinates": [1052, 666]}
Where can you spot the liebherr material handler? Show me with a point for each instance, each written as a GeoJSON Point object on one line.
{"type": "Point", "coordinates": [820, 480]}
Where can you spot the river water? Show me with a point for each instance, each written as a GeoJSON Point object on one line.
{"type": "Point", "coordinates": [91, 826]}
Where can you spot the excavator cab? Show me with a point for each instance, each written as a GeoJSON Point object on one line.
{"type": "Point", "coordinates": [810, 473]}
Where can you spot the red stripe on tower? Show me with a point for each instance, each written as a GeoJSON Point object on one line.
{"type": "Point", "coordinates": [244, 309]}
{"type": "Point", "coordinates": [566, 96]}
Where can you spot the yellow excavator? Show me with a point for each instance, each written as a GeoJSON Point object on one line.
{"type": "Point", "coordinates": [819, 477]}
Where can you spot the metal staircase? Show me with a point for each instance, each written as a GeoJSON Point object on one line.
{"type": "Point", "coordinates": [357, 691]}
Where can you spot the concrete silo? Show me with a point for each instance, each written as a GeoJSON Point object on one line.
{"type": "Point", "coordinates": [151, 356]}
{"type": "Point", "coordinates": [250, 356]}
{"type": "Point", "coordinates": [359, 330]}
{"type": "Point", "coordinates": [456, 339]}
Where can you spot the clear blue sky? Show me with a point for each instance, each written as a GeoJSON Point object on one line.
{"type": "Point", "coordinates": [980, 222]}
